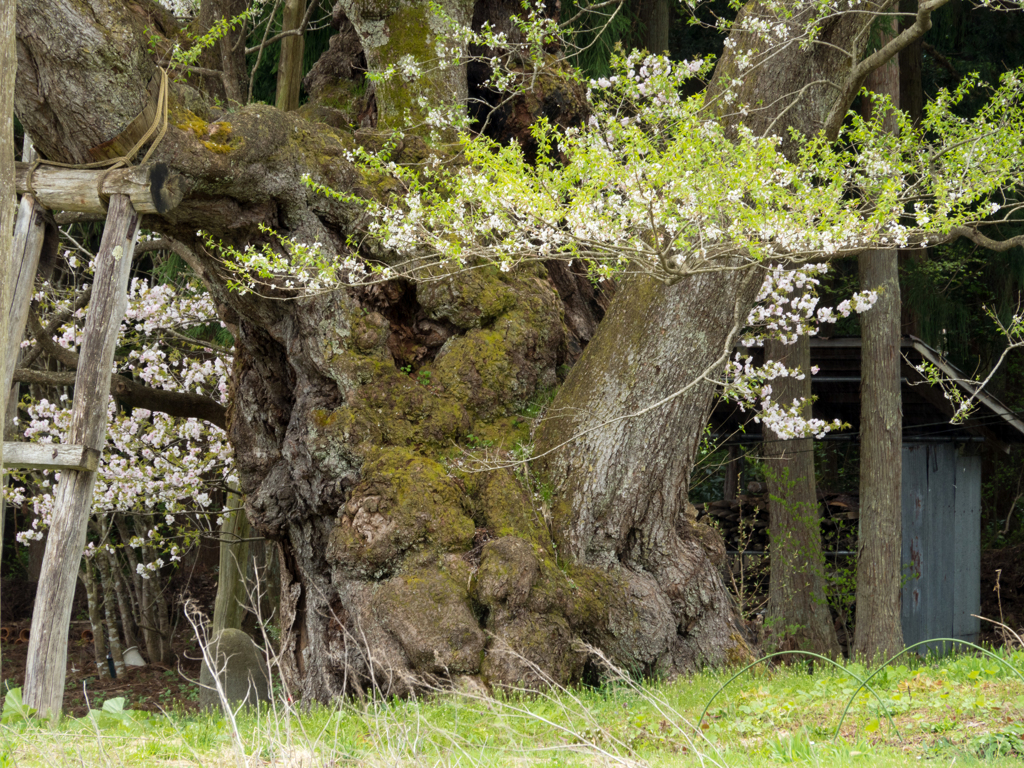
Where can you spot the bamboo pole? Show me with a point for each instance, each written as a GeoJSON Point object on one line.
{"type": "Point", "coordinates": [47, 653]}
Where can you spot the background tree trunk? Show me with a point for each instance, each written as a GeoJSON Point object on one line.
{"type": "Point", "coordinates": [878, 629]}
{"type": "Point", "coordinates": [289, 67]}
{"type": "Point", "coordinates": [656, 18]}
{"type": "Point", "coordinates": [798, 613]}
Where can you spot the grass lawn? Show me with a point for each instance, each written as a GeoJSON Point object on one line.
{"type": "Point", "coordinates": [963, 710]}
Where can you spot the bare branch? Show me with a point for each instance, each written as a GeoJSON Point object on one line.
{"type": "Point", "coordinates": [922, 23]}
{"type": "Point", "coordinates": [301, 30]}
{"type": "Point", "coordinates": [985, 242]}
{"type": "Point", "coordinates": [136, 395]}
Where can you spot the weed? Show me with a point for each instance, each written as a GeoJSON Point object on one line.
{"type": "Point", "coordinates": [478, 443]}
{"type": "Point", "coordinates": [1006, 742]}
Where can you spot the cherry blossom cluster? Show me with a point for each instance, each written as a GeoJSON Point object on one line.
{"type": "Point", "coordinates": [161, 468]}
{"type": "Point", "coordinates": [787, 308]}
{"type": "Point", "coordinates": [284, 268]}
{"type": "Point", "coordinates": [787, 305]}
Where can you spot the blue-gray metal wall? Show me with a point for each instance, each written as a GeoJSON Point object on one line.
{"type": "Point", "coordinates": [941, 542]}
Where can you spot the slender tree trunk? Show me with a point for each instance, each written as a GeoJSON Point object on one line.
{"type": "Point", "coordinates": [798, 614]}
{"type": "Point", "coordinates": [878, 629]}
{"type": "Point", "coordinates": [911, 101]}
{"type": "Point", "coordinates": [289, 67]}
{"type": "Point", "coordinates": [124, 604]}
{"type": "Point", "coordinates": [99, 632]}
{"type": "Point", "coordinates": [145, 623]}
{"type": "Point", "coordinates": [110, 611]}
{"type": "Point", "coordinates": [163, 623]}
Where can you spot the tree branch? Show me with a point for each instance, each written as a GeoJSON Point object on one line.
{"type": "Point", "coordinates": [300, 30]}
{"type": "Point", "coordinates": [985, 242]}
{"type": "Point", "coordinates": [55, 322]}
{"type": "Point", "coordinates": [135, 395]}
{"type": "Point", "coordinates": [65, 357]}
{"type": "Point", "coordinates": [922, 23]}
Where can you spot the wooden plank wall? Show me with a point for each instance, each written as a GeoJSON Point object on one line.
{"type": "Point", "coordinates": [941, 543]}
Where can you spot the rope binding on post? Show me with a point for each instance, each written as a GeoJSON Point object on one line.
{"type": "Point", "coordinates": [158, 126]}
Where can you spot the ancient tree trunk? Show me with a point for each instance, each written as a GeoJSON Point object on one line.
{"type": "Point", "coordinates": [622, 482]}
{"type": "Point", "coordinates": [798, 614]}
{"type": "Point", "coordinates": [623, 478]}
{"type": "Point", "coordinates": [396, 33]}
{"type": "Point", "coordinates": [47, 653]}
{"type": "Point", "coordinates": [879, 630]}
{"type": "Point", "coordinates": [397, 565]}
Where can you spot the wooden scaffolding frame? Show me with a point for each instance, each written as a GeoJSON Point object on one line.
{"type": "Point", "coordinates": [122, 196]}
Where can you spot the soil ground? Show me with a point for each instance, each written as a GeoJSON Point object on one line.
{"type": "Point", "coordinates": [152, 688]}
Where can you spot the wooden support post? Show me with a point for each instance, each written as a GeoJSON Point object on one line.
{"type": "Point", "coordinates": [47, 650]}
{"type": "Point", "coordinates": [29, 233]}
{"type": "Point", "coordinates": [232, 596]}
{"type": "Point", "coordinates": [8, 65]}
{"type": "Point", "coordinates": [151, 187]}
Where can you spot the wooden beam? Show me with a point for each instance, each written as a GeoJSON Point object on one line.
{"type": "Point", "coordinates": [151, 187]}
{"type": "Point", "coordinates": [46, 666]}
{"type": "Point", "coordinates": [50, 456]}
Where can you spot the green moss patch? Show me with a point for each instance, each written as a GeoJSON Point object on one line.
{"type": "Point", "coordinates": [404, 502]}
{"type": "Point", "coordinates": [430, 615]}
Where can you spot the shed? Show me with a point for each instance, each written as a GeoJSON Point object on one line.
{"type": "Point", "coordinates": [941, 502]}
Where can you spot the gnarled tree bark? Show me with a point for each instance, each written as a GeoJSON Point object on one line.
{"type": "Point", "coordinates": [396, 566]}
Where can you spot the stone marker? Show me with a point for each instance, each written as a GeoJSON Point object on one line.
{"type": "Point", "coordinates": [242, 669]}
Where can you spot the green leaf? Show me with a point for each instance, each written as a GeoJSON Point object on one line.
{"type": "Point", "coordinates": [14, 708]}
{"type": "Point", "coordinates": [115, 706]}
